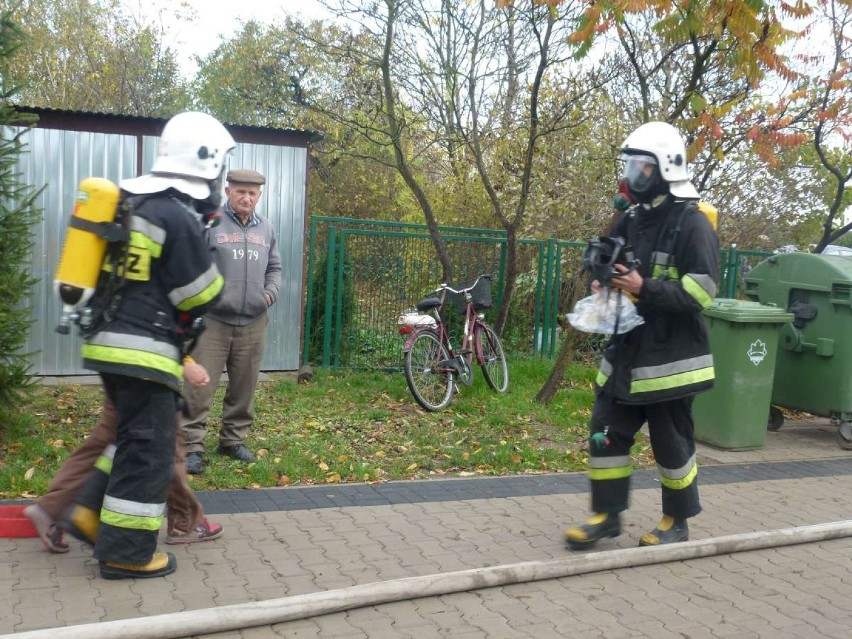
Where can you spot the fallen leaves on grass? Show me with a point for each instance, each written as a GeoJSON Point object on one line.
{"type": "Point", "coordinates": [342, 427]}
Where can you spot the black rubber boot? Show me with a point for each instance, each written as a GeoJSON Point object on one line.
{"type": "Point", "coordinates": [161, 564]}
{"type": "Point", "coordinates": [668, 531]}
{"type": "Point", "coordinates": [600, 526]}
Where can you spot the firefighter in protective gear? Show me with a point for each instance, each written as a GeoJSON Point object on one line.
{"type": "Point", "coordinates": [169, 280]}
{"type": "Point", "coordinates": [652, 373]}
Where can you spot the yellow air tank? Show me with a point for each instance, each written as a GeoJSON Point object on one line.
{"type": "Point", "coordinates": [84, 248]}
{"type": "Point", "coordinates": [710, 212]}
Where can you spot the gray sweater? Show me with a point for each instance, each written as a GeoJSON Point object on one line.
{"type": "Point", "coordinates": [248, 259]}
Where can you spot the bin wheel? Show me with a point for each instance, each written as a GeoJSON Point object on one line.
{"type": "Point", "coordinates": [844, 435]}
{"type": "Point", "coordinates": [776, 419]}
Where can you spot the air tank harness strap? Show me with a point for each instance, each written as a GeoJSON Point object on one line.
{"type": "Point", "coordinates": [110, 231]}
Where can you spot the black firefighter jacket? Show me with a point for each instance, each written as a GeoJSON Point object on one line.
{"type": "Point", "coordinates": [169, 272]}
{"type": "Point", "coordinates": [667, 357]}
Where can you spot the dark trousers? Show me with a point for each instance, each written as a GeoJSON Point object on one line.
{"type": "Point", "coordinates": [132, 496]}
{"type": "Point", "coordinates": [672, 440]}
{"type": "Point", "coordinates": [239, 349]}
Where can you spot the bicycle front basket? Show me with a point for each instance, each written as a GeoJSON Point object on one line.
{"type": "Point", "coordinates": [480, 296]}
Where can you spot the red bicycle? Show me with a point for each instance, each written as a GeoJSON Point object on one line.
{"type": "Point", "coordinates": [432, 367]}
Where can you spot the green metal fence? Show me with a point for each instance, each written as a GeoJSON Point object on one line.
{"type": "Point", "coordinates": [735, 265]}
{"type": "Point", "coordinates": [362, 274]}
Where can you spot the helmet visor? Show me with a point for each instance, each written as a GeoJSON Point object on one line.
{"type": "Point", "coordinates": [641, 173]}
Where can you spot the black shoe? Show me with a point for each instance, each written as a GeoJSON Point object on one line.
{"type": "Point", "coordinates": [194, 463]}
{"type": "Point", "coordinates": [238, 452]}
{"type": "Point", "coordinates": [600, 526]}
{"type": "Point", "coordinates": [161, 564]}
{"type": "Point", "coordinates": [668, 531]}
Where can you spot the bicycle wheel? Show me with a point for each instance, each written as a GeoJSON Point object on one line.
{"type": "Point", "coordinates": [493, 362]}
{"type": "Point", "coordinates": [433, 390]}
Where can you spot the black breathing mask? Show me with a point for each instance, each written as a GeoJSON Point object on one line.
{"type": "Point", "coordinates": [601, 255]}
{"type": "Point", "coordinates": [642, 176]}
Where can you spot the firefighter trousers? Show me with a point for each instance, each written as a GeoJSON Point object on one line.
{"type": "Point", "coordinates": [130, 490]}
{"type": "Point", "coordinates": [612, 433]}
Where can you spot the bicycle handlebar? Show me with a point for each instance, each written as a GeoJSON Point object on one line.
{"type": "Point", "coordinates": [444, 286]}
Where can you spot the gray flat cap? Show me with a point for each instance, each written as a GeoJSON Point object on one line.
{"type": "Point", "coordinates": [246, 176]}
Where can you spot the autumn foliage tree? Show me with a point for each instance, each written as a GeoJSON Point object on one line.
{"type": "Point", "coordinates": [697, 65]}
{"type": "Point", "coordinates": [826, 96]}
{"type": "Point", "coordinates": [738, 78]}
{"type": "Point", "coordinates": [466, 96]}
{"type": "Point", "coordinates": [94, 55]}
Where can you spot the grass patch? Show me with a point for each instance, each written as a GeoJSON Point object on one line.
{"type": "Point", "coordinates": [343, 426]}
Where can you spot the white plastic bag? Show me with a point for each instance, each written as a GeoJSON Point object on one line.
{"type": "Point", "coordinates": [416, 319]}
{"type": "Point", "coordinates": [597, 313]}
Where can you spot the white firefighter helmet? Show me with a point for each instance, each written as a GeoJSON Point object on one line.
{"type": "Point", "coordinates": [661, 141]}
{"type": "Point", "coordinates": [191, 157]}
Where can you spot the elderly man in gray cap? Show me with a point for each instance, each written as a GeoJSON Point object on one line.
{"type": "Point", "coordinates": [246, 252]}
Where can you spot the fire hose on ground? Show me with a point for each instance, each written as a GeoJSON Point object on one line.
{"type": "Point", "coordinates": [274, 611]}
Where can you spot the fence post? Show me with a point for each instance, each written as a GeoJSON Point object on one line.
{"type": "Point", "coordinates": [501, 275]}
{"type": "Point", "coordinates": [557, 280]}
{"type": "Point", "coordinates": [329, 295]}
{"type": "Point", "coordinates": [733, 271]}
{"type": "Point", "coordinates": [338, 314]}
{"type": "Point", "coordinates": [547, 324]}
{"type": "Point", "coordinates": [309, 298]}
{"type": "Point", "coordinates": [537, 310]}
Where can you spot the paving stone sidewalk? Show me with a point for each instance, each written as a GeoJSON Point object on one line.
{"type": "Point", "coordinates": [293, 541]}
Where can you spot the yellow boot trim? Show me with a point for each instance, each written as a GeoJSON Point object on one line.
{"type": "Point", "coordinates": [578, 534]}
{"type": "Point", "coordinates": [650, 539]}
{"type": "Point", "coordinates": [159, 561]}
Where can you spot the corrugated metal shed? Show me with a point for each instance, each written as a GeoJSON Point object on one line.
{"type": "Point", "coordinates": [66, 147]}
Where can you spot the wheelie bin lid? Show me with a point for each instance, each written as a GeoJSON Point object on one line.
{"type": "Point", "coordinates": [747, 312]}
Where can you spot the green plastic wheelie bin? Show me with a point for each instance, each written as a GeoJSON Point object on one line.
{"type": "Point", "coordinates": [743, 340]}
{"type": "Point", "coordinates": [813, 371]}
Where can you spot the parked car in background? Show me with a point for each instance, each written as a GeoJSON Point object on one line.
{"type": "Point", "coordinates": [834, 249]}
{"type": "Point", "coordinates": [787, 248]}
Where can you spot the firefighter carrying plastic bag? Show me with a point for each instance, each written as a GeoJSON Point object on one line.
{"type": "Point", "coordinates": [606, 312]}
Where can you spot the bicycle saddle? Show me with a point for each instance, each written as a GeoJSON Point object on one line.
{"type": "Point", "coordinates": [428, 303]}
